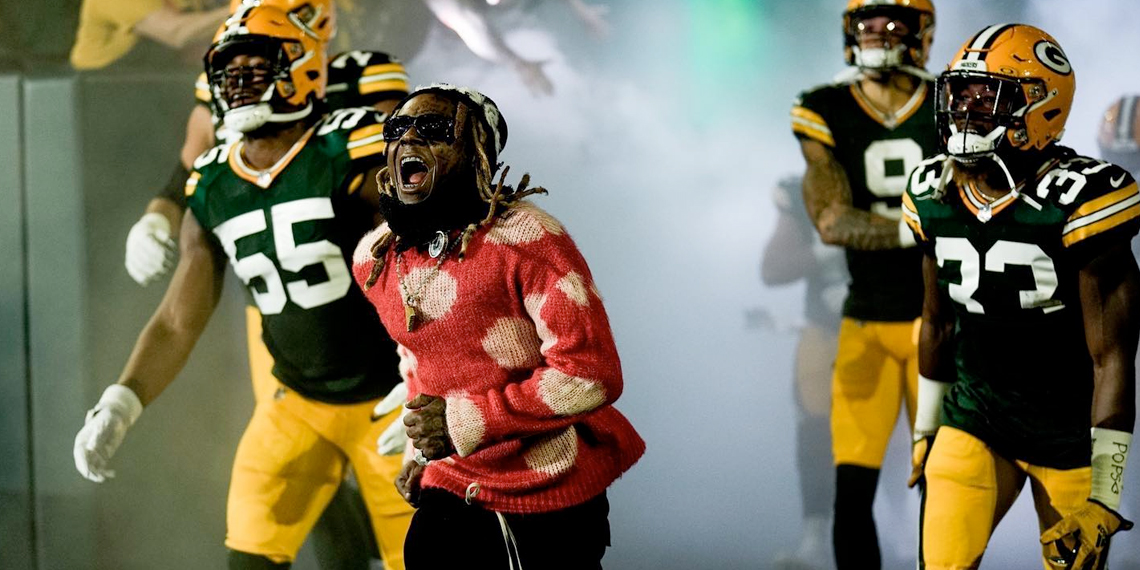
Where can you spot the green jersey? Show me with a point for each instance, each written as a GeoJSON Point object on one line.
{"type": "Point", "coordinates": [877, 153]}
{"type": "Point", "coordinates": [1010, 268]}
{"type": "Point", "coordinates": [289, 233]}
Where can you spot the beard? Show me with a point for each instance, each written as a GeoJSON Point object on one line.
{"type": "Point", "coordinates": [452, 206]}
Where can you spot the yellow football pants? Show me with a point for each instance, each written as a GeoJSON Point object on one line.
{"type": "Point", "coordinates": [969, 488]}
{"type": "Point", "coordinates": [291, 460]}
{"type": "Point", "coordinates": [876, 367]}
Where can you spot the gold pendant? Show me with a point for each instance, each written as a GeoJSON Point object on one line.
{"type": "Point", "coordinates": [410, 317]}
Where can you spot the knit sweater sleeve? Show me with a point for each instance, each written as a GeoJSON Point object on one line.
{"type": "Point", "coordinates": [578, 371]}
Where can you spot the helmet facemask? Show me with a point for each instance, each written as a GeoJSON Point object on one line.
{"type": "Point", "coordinates": [278, 59]}
{"type": "Point", "coordinates": [977, 111]}
{"type": "Point", "coordinates": [904, 38]}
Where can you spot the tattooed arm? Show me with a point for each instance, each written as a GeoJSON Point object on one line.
{"type": "Point", "coordinates": [827, 196]}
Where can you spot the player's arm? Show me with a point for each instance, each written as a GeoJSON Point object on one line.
{"type": "Point", "coordinates": [788, 254]}
{"type": "Point", "coordinates": [151, 249]}
{"type": "Point", "coordinates": [159, 353]}
{"type": "Point", "coordinates": [484, 41]}
{"type": "Point", "coordinates": [179, 29]}
{"type": "Point", "coordinates": [1109, 286]}
{"type": "Point", "coordinates": [935, 365]}
{"type": "Point", "coordinates": [827, 196]}
{"type": "Point", "coordinates": [1109, 290]}
{"type": "Point", "coordinates": [1110, 304]}
{"type": "Point", "coordinates": [165, 343]}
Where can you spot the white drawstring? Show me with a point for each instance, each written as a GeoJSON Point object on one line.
{"type": "Point", "coordinates": [509, 540]}
{"type": "Point", "coordinates": [508, 535]}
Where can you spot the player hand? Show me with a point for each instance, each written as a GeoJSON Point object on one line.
{"type": "Point", "coordinates": [103, 431]}
{"type": "Point", "coordinates": [408, 482]}
{"type": "Point", "coordinates": [1082, 537]}
{"type": "Point", "coordinates": [535, 79]}
{"type": "Point", "coordinates": [150, 250]}
{"type": "Point", "coordinates": [920, 452]}
{"type": "Point", "coordinates": [394, 438]}
{"type": "Point", "coordinates": [427, 426]}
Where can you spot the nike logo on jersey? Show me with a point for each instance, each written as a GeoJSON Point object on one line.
{"type": "Point", "coordinates": [1116, 181]}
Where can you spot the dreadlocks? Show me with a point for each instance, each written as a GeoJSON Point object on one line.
{"type": "Point", "coordinates": [499, 197]}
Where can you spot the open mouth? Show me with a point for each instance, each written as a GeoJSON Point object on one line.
{"type": "Point", "coordinates": [413, 171]}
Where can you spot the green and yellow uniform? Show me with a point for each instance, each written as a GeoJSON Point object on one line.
{"type": "Point", "coordinates": [355, 79]}
{"type": "Point", "coordinates": [876, 364]}
{"type": "Point", "coordinates": [289, 232]}
{"type": "Point", "coordinates": [1021, 401]}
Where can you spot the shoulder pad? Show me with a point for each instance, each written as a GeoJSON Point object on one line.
{"type": "Point", "coordinates": [349, 119]}
{"type": "Point", "coordinates": [1076, 180]}
{"type": "Point", "coordinates": [217, 155]}
{"type": "Point", "coordinates": [359, 59]}
{"type": "Point", "coordinates": [925, 180]}
{"type": "Point", "coordinates": [202, 93]}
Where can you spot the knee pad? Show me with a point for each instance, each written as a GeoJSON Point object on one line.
{"type": "Point", "coordinates": [245, 561]}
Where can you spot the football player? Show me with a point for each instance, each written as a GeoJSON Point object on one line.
{"type": "Point", "coordinates": [794, 252]}
{"type": "Point", "coordinates": [355, 79]}
{"type": "Point", "coordinates": [860, 137]}
{"type": "Point", "coordinates": [285, 204]}
{"type": "Point", "coordinates": [1030, 320]}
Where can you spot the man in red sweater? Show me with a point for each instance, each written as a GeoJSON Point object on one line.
{"type": "Point", "coordinates": [507, 352]}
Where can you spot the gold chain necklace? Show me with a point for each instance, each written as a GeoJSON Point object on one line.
{"type": "Point", "coordinates": [412, 300]}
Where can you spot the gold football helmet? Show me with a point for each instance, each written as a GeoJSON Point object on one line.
{"type": "Point", "coordinates": [916, 15]}
{"type": "Point", "coordinates": [296, 67]}
{"type": "Point", "coordinates": [316, 17]}
{"type": "Point", "coordinates": [1010, 82]}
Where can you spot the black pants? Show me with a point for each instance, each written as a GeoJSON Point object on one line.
{"type": "Point", "coordinates": [446, 532]}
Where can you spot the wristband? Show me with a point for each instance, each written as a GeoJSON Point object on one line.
{"type": "Point", "coordinates": [122, 399]}
{"type": "Point", "coordinates": [1109, 456]}
{"type": "Point", "coordinates": [928, 416]}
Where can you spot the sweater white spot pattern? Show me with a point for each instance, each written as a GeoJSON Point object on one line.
{"type": "Point", "coordinates": [555, 454]}
{"type": "Point", "coordinates": [568, 395]}
{"type": "Point", "coordinates": [513, 343]}
{"type": "Point", "coordinates": [465, 423]}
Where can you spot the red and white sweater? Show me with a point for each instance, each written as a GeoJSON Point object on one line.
{"type": "Point", "coordinates": [515, 338]}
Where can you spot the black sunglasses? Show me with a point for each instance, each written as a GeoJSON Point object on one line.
{"type": "Point", "coordinates": [432, 127]}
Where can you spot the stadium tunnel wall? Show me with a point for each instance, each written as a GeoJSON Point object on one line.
{"type": "Point", "coordinates": [80, 156]}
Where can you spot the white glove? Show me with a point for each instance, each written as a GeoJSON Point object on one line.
{"type": "Point", "coordinates": [394, 438]}
{"type": "Point", "coordinates": [150, 250]}
{"type": "Point", "coordinates": [101, 435]}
